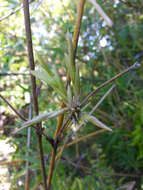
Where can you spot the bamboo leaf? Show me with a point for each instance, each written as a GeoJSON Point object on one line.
{"type": "Point", "coordinates": [76, 85]}
{"type": "Point", "coordinates": [41, 117]}
{"type": "Point", "coordinates": [59, 81]}
{"type": "Point", "coordinates": [70, 49]}
{"type": "Point", "coordinates": [77, 79]}
{"type": "Point", "coordinates": [51, 81]}
{"type": "Point", "coordinates": [61, 94]}
{"type": "Point", "coordinates": [69, 95]}
{"type": "Point", "coordinates": [44, 65]}
{"type": "Point", "coordinates": [96, 122]}
{"type": "Point", "coordinates": [70, 59]}
{"type": "Point", "coordinates": [41, 74]}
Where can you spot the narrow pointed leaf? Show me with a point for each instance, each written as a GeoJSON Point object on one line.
{"type": "Point", "coordinates": [59, 81]}
{"type": "Point", "coordinates": [76, 85]}
{"type": "Point", "coordinates": [41, 74]}
{"type": "Point", "coordinates": [77, 79]}
{"type": "Point", "coordinates": [70, 59]}
{"type": "Point", "coordinates": [70, 49]}
{"type": "Point", "coordinates": [44, 65]}
{"type": "Point", "coordinates": [69, 95]}
{"type": "Point", "coordinates": [41, 117]}
{"type": "Point", "coordinates": [96, 122]}
{"type": "Point", "coordinates": [51, 81]}
{"type": "Point", "coordinates": [45, 116]}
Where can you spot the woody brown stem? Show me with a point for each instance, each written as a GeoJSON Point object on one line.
{"type": "Point", "coordinates": [108, 82]}
{"type": "Point", "coordinates": [33, 85]}
{"type": "Point", "coordinates": [52, 165]}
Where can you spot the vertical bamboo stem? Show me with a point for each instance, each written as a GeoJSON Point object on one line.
{"type": "Point", "coordinates": [60, 119]}
{"type": "Point", "coordinates": [33, 85]}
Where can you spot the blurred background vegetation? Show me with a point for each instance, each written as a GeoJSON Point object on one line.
{"type": "Point", "coordinates": [110, 160]}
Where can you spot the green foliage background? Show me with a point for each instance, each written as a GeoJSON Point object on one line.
{"type": "Point", "coordinates": [106, 154]}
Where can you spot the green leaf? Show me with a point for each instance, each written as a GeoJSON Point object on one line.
{"type": "Point", "coordinates": [41, 74]}
{"type": "Point", "coordinates": [21, 173]}
{"type": "Point", "coordinates": [77, 80]}
{"type": "Point", "coordinates": [69, 95]}
{"type": "Point", "coordinates": [44, 65]}
{"type": "Point", "coordinates": [59, 81]}
{"type": "Point", "coordinates": [54, 81]}
{"type": "Point", "coordinates": [70, 59]}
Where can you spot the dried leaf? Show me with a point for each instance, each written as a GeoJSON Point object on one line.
{"type": "Point", "coordinates": [42, 117]}
{"type": "Point", "coordinates": [96, 122]}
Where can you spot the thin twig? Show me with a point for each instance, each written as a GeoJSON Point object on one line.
{"type": "Point", "coordinates": [87, 136]}
{"type": "Point", "coordinates": [27, 177]}
{"type": "Point", "coordinates": [68, 120]}
{"type": "Point", "coordinates": [33, 84]}
{"type": "Point", "coordinates": [102, 13]}
{"type": "Point", "coordinates": [60, 121]}
{"type": "Point", "coordinates": [131, 5]}
{"type": "Point", "coordinates": [59, 154]}
{"type": "Point", "coordinates": [13, 12]}
{"type": "Point", "coordinates": [108, 82]}
{"type": "Point", "coordinates": [13, 162]}
{"type": "Point", "coordinates": [15, 111]}
{"type": "Point", "coordinates": [102, 99]}
{"type": "Point", "coordinates": [15, 74]}
{"type": "Point", "coordinates": [118, 174]}
{"type": "Point", "coordinates": [98, 103]}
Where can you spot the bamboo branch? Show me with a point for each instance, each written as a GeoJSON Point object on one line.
{"type": "Point", "coordinates": [52, 165]}
{"type": "Point", "coordinates": [60, 119]}
{"type": "Point", "coordinates": [102, 13]}
{"type": "Point", "coordinates": [33, 84]}
{"type": "Point", "coordinates": [87, 136]}
{"type": "Point", "coordinates": [94, 108]}
{"type": "Point", "coordinates": [13, 162]}
{"type": "Point", "coordinates": [78, 25]}
{"type": "Point", "coordinates": [15, 111]}
{"type": "Point", "coordinates": [102, 99]}
{"type": "Point", "coordinates": [134, 66]}
{"type": "Point", "coordinates": [13, 12]}
{"type": "Point", "coordinates": [67, 122]}
{"type": "Point", "coordinates": [3, 74]}
{"type": "Point", "coordinates": [98, 103]}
